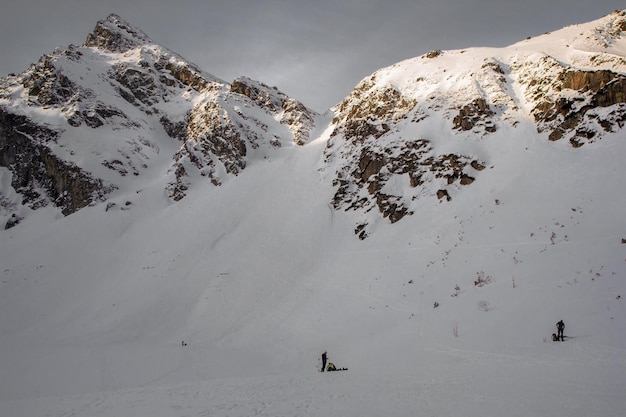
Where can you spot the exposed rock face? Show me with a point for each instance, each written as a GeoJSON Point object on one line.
{"type": "Point", "coordinates": [187, 74]}
{"type": "Point", "coordinates": [259, 94]}
{"type": "Point", "coordinates": [473, 114]}
{"type": "Point", "coordinates": [298, 118]}
{"type": "Point", "coordinates": [40, 176]}
{"type": "Point", "coordinates": [434, 53]}
{"type": "Point", "coordinates": [211, 137]}
{"type": "Point", "coordinates": [580, 105]}
{"type": "Point", "coordinates": [371, 157]}
{"type": "Point", "coordinates": [116, 35]}
{"type": "Point", "coordinates": [217, 135]}
{"type": "Point", "coordinates": [364, 180]}
{"type": "Point", "coordinates": [576, 112]}
{"type": "Point", "coordinates": [140, 83]}
{"type": "Point", "coordinates": [369, 111]}
{"type": "Point", "coordinates": [48, 86]}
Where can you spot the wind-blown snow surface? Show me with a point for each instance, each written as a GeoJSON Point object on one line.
{"type": "Point", "coordinates": [260, 275]}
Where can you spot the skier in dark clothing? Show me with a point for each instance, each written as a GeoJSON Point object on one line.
{"type": "Point", "coordinates": [323, 361]}
{"type": "Point", "coordinates": [559, 327]}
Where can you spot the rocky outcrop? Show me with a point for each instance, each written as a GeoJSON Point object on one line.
{"type": "Point", "coordinates": [473, 114]}
{"type": "Point", "coordinates": [48, 86]}
{"type": "Point", "coordinates": [299, 119]}
{"type": "Point", "coordinates": [138, 85]}
{"type": "Point", "coordinates": [38, 175]}
{"type": "Point", "coordinates": [373, 159]}
{"type": "Point", "coordinates": [364, 179]}
{"type": "Point", "coordinates": [213, 133]}
{"type": "Point", "coordinates": [115, 35]}
{"type": "Point", "coordinates": [296, 116]}
{"type": "Point", "coordinates": [584, 81]}
{"type": "Point", "coordinates": [259, 93]}
{"type": "Point", "coordinates": [369, 111]}
{"type": "Point", "coordinates": [583, 100]}
{"type": "Point", "coordinates": [210, 137]}
{"type": "Point", "coordinates": [576, 111]}
{"type": "Point", "coordinates": [187, 74]}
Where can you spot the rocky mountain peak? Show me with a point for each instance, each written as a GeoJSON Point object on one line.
{"type": "Point", "coordinates": [153, 99]}
{"type": "Point", "coordinates": [291, 112]}
{"type": "Point", "coordinates": [114, 34]}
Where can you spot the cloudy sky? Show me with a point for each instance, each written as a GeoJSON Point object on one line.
{"type": "Point", "coordinates": [313, 50]}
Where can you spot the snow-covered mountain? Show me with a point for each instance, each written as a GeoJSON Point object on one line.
{"type": "Point", "coordinates": [396, 123]}
{"type": "Point", "coordinates": [123, 92]}
{"type": "Point", "coordinates": [428, 231]}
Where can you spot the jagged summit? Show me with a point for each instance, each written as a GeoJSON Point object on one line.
{"type": "Point", "coordinates": [153, 99]}
{"type": "Point", "coordinates": [114, 34]}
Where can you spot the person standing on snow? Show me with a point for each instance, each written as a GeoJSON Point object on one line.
{"type": "Point", "coordinates": [323, 361]}
{"type": "Point", "coordinates": [560, 326]}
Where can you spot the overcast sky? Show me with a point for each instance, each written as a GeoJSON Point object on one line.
{"type": "Point", "coordinates": [313, 50]}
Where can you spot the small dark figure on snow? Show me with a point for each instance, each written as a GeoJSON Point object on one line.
{"type": "Point", "coordinates": [560, 326]}
{"type": "Point", "coordinates": [323, 361]}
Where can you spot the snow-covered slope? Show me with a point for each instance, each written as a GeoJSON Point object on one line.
{"type": "Point", "coordinates": [426, 232]}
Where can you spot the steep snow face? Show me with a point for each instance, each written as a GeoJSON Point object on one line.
{"type": "Point", "coordinates": [419, 128]}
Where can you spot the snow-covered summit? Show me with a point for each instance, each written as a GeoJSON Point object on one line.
{"type": "Point", "coordinates": [136, 99]}
{"type": "Point", "coordinates": [116, 35]}
{"type": "Point", "coordinates": [570, 44]}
